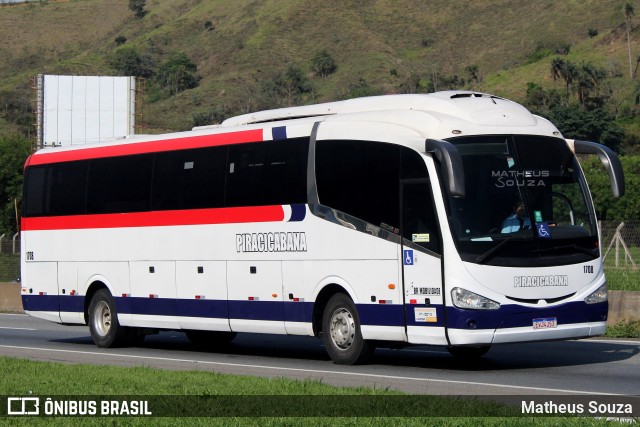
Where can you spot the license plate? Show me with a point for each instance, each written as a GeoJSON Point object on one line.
{"type": "Point", "coordinates": [546, 323]}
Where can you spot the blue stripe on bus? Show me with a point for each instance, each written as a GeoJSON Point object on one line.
{"type": "Point", "coordinates": [381, 314]}
{"type": "Point", "coordinates": [279, 133]}
{"type": "Point", "coordinates": [298, 212]}
{"type": "Point", "coordinates": [508, 316]}
{"type": "Point", "coordinates": [515, 316]}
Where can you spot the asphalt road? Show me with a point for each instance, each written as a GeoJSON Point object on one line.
{"type": "Point", "coordinates": [585, 367]}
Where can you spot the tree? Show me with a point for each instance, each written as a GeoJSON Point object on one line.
{"type": "Point", "coordinates": [137, 6]}
{"type": "Point", "coordinates": [127, 61]}
{"type": "Point", "coordinates": [14, 150]}
{"type": "Point", "coordinates": [565, 70]}
{"type": "Point", "coordinates": [557, 64]}
{"type": "Point", "coordinates": [635, 69]}
{"type": "Point", "coordinates": [360, 88]}
{"type": "Point", "coordinates": [16, 108]}
{"type": "Point", "coordinates": [539, 100]}
{"type": "Point", "coordinates": [323, 64]}
{"type": "Point", "coordinates": [177, 74]}
{"type": "Point", "coordinates": [288, 87]}
{"type": "Point", "coordinates": [410, 84]}
{"type": "Point", "coordinates": [607, 207]}
{"type": "Point", "coordinates": [636, 94]}
{"type": "Point", "coordinates": [474, 73]}
{"type": "Point", "coordinates": [585, 80]}
{"type": "Point", "coordinates": [628, 15]}
{"type": "Point", "coordinates": [589, 78]}
{"type": "Point", "coordinates": [595, 125]}
{"type": "Point", "coordinates": [210, 117]}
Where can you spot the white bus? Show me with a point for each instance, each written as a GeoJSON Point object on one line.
{"type": "Point", "coordinates": [456, 219]}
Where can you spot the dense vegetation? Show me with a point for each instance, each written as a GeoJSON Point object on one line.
{"type": "Point", "coordinates": [201, 61]}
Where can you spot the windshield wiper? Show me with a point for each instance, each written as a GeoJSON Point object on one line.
{"type": "Point", "coordinates": [491, 252]}
{"type": "Point", "coordinates": [571, 246]}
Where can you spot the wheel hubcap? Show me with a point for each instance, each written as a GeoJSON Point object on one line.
{"type": "Point", "coordinates": [102, 318]}
{"type": "Point", "coordinates": [343, 328]}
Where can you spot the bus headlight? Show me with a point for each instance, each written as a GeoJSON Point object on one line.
{"type": "Point", "coordinates": [600, 295]}
{"type": "Point", "coordinates": [463, 298]}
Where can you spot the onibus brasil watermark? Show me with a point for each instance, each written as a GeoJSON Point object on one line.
{"type": "Point", "coordinates": [36, 406]}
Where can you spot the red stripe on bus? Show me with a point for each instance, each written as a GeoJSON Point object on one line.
{"type": "Point", "coordinates": [123, 149]}
{"type": "Point", "coordinates": [156, 218]}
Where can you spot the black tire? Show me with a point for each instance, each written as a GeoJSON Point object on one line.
{"type": "Point", "coordinates": [103, 322]}
{"type": "Point", "coordinates": [210, 340]}
{"type": "Point", "coordinates": [341, 332]}
{"type": "Point", "coordinates": [468, 353]}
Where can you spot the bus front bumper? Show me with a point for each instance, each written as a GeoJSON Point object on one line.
{"type": "Point", "coordinates": [525, 334]}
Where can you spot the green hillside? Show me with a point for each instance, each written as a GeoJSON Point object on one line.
{"type": "Point", "coordinates": [242, 47]}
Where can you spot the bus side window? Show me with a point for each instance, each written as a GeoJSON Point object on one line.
{"type": "Point", "coordinates": [189, 179]}
{"type": "Point", "coordinates": [66, 187]}
{"type": "Point", "coordinates": [267, 173]}
{"type": "Point", "coordinates": [360, 178]}
{"type": "Point", "coordinates": [56, 189]}
{"type": "Point", "coordinates": [35, 191]}
{"type": "Point", "coordinates": [119, 184]}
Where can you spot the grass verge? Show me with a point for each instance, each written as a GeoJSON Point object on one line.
{"type": "Point", "coordinates": [622, 279]}
{"type": "Point", "coordinates": [626, 329]}
{"type": "Point", "coordinates": [180, 391]}
{"type": "Point", "coordinates": [9, 267]}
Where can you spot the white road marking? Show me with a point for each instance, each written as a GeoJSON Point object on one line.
{"type": "Point", "coordinates": [612, 341]}
{"type": "Point", "coordinates": [19, 329]}
{"type": "Point", "coordinates": [311, 371]}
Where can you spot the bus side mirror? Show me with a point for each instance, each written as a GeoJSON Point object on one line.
{"type": "Point", "coordinates": [610, 161]}
{"type": "Point", "coordinates": [450, 164]}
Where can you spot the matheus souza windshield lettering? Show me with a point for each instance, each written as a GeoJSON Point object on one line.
{"type": "Point", "coordinates": [521, 209]}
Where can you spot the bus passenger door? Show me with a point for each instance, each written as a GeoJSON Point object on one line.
{"type": "Point", "coordinates": [421, 264]}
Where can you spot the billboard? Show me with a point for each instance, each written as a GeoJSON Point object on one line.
{"type": "Point", "coordinates": [84, 109]}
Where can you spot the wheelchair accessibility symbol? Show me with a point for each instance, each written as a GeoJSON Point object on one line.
{"type": "Point", "coordinates": [543, 230]}
{"type": "Point", "coordinates": [407, 257]}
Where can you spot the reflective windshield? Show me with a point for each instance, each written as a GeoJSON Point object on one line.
{"type": "Point", "coordinates": [526, 203]}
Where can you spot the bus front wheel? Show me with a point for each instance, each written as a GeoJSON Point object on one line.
{"type": "Point", "coordinates": [103, 322]}
{"type": "Point", "coordinates": [341, 332]}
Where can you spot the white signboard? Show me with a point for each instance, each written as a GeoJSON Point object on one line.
{"type": "Point", "coordinates": [84, 109]}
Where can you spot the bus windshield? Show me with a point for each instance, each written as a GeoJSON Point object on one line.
{"type": "Point", "coordinates": [526, 204]}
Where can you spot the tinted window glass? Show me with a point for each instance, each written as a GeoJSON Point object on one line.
{"type": "Point", "coordinates": [267, 173]}
{"type": "Point", "coordinates": [66, 184]}
{"type": "Point", "coordinates": [527, 203]}
{"type": "Point", "coordinates": [361, 179]}
{"type": "Point", "coordinates": [189, 179]}
{"type": "Point", "coordinates": [420, 226]}
{"type": "Point", "coordinates": [34, 191]}
{"type": "Point", "coordinates": [56, 189]}
{"type": "Point", "coordinates": [119, 184]}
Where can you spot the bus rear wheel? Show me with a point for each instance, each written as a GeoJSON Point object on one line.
{"type": "Point", "coordinates": [341, 332]}
{"type": "Point", "coordinates": [105, 329]}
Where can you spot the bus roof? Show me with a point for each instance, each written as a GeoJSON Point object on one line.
{"type": "Point", "coordinates": [435, 115]}
{"type": "Point", "coordinates": [474, 107]}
